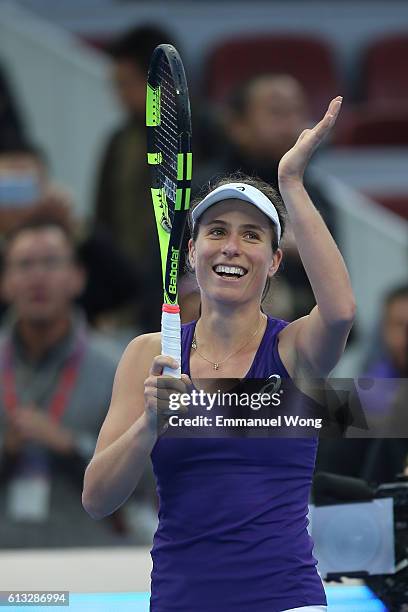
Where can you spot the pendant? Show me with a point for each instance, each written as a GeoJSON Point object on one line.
{"type": "Point", "coordinates": [194, 344]}
{"type": "Point", "coordinates": [216, 366]}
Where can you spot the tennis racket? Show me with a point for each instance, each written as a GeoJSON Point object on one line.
{"type": "Point", "coordinates": [169, 156]}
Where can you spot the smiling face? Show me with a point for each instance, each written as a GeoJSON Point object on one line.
{"type": "Point", "coordinates": [232, 255]}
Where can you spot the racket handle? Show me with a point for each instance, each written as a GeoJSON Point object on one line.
{"type": "Point", "coordinates": [171, 337]}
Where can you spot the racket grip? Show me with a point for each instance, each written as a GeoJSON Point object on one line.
{"type": "Point", "coordinates": [171, 337]}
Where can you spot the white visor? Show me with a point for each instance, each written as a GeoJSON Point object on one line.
{"type": "Point", "coordinates": [239, 191]}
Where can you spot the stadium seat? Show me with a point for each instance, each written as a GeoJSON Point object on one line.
{"type": "Point", "coordinates": [307, 58]}
{"type": "Point", "coordinates": [384, 69]}
{"type": "Point", "coordinates": [101, 43]}
{"type": "Point", "coordinates": [398, 203]}
{"type": "Point", "coordinates": [374, 126]}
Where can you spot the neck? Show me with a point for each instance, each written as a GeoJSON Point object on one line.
{"type": "Point", "coordinates": [39, 337]}
{"type": "Point", "coordinates": [221, 329]}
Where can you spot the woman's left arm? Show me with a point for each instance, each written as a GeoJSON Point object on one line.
{"type": "Point", "coordinates": [315, 342]}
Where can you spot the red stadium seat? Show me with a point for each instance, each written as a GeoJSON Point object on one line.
{"type": "Point", "coordinates": [307, 58]}
{"type": "Point", "coordinates": [101, 43]}
{"type": "Point", "coordinates": [385, 69]}
{"type": "Point", "coordinates": [374, 126]}
{"type": "Point", "coordinates": [398, 204]}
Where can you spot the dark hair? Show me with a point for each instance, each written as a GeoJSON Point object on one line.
{"type": "Point", "coordinates": [138, 44]}
{"type": "Point", "coordinates": [18, 146]}
{"type": "Point", "coordinates": [42, 217]}
{"type": "Point", "coordinates": [395, 294]}
{"type": "Point", "coordinates": [270, 192]}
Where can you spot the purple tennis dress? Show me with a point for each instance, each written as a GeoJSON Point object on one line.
{"type": "Point", "coordinates": [232, 534]}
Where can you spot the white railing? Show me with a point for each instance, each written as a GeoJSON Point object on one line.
{"type": "Point", "coordinates": [64, 92]}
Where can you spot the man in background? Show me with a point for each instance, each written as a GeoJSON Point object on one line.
{"type": "Point", "coordinates": [393, 360]}
{"type": "Point", "coordinates": [384, 396]}
{"type": "Point", "coordinates": [24, 182]}
{"type": "Point", "coordinates": [25, 185]}
{"type": "Point", "coordinates": [123, 201]}
{"type": "Point", "coordinates": [56, 382]}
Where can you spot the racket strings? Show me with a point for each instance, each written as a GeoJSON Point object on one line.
{"type": "Point", "coordinates": [167, 136]}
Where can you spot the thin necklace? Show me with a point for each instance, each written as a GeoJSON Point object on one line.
{"type": "Point", "coordinates": [216, 364]}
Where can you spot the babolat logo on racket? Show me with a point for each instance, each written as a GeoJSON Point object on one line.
{"type": "Point", "coordinates": [174, 270]}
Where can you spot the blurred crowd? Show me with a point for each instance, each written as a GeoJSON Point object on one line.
{"type": "Point", "coordinates": [72, 294]}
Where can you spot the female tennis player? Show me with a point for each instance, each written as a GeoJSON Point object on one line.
{"type": "Point", "coordinates": [232, 531]}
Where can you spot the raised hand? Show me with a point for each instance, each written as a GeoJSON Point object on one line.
{"type": "Point", "coordinates": [293, 164]}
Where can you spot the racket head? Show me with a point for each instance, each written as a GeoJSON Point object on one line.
{"type": "Point", "coordinates": [168, 120]}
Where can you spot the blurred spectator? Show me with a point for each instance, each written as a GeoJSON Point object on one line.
{"type": "Point", "coordinates": [24, 186]}
{"type": "Point", "coordinates": [263, 121]}
{"type": "Point", "coordinates": [383, 396]}
{"type": "Point", "coordinates": [56, 381]}
{"type": "Point", "coordinates": [393, 362]}
{"type": "Point", "coordinates": [11, 126]}
{"type": "Point", "coordinates": [24, 183]}
{"type": "Point", "coordinates": [388, 396]}
{"type": "Point", "coordinates": [123, 201]}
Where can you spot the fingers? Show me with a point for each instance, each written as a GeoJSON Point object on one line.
{"type": "Point", "coordinates": [328, 119]}
{"type": "Point", "coordinates": [335, 104]}
{"type": "Point", "coordinates": [165, 407]}
{"type": "Point", "coordinates": [162, 393]}
{"type": "Point", "coordinates": [294, 162]}
{"type": "Point", "coordinates": [165, 395]}
{"type": "Point", "coordinates": [303, 134]}
{"type": "Point", "coordinates": [187, 381]}
{"type": "Point", "coordinates": [160, 361]}
{"type": "Point", "coordinates": [167, 383]}
{"type": "Point", "coordinates": [332, 112]}
{"type": "Point", "coordinates": [164, 404]}
{"type": "Point", "coordinates": [324, 125]}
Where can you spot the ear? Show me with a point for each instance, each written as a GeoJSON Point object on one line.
{"type": "Point", "coordinates": [275, 263]}
{"type": "Point", "coordinates": [191, 253]}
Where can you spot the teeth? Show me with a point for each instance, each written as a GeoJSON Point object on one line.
{"type": "Point", "coordinates": [230, 270]}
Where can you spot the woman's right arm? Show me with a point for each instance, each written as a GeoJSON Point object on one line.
{"type": "Point", "coordinates": [128, 433]}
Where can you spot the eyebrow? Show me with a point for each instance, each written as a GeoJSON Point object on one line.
{"type": "Point", "coordinates": [252, 226]}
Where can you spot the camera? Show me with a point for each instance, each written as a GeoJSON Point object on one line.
{"type": "Point", "coordinates": [361, 531]}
